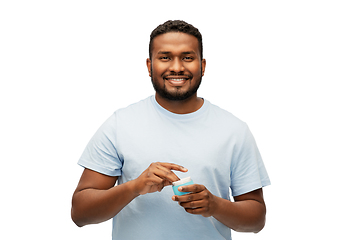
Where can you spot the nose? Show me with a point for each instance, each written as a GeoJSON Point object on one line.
{"type": "Point", "coordinates": [176, 65]}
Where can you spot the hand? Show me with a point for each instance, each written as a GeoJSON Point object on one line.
{"type": "Point", "coordinates": [200, 201]}
{"type": "Point", "coordinates": [156, 177]}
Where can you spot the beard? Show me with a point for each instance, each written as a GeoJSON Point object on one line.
{"type": "Point", "coordinates": [179, 94]}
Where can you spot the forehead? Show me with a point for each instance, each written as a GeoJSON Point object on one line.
{"type": "Point", "coordinates": [175, 42]}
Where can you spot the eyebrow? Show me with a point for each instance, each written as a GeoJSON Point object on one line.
{"type": "Point", "coordinates": [167, 52]}
{"type": "Point", "coordinates": [191, 52]}
{"type": "Point", "coordinates": [163, 52]}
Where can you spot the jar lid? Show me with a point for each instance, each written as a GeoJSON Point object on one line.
{"type": "Point", "coordinates": [182, 181]}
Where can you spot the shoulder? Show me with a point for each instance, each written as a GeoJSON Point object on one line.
{"type": "Point", "coordinates": [137, 107]}
{"type": "Point", "coordinates": [226, 118]}
{"type": "Point", "coordinates": [134, 112]}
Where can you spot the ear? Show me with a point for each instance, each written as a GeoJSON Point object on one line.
{"type": "Point", "coordinates": [148, 64]}
{"type": "Point", "coordinates": [203, 65]}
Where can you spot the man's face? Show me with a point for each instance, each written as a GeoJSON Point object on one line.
{"type": "Point", "coordinates": [176, 67]}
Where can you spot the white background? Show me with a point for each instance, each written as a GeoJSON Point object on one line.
{"type": "Point", "coordinates": [290, 69]}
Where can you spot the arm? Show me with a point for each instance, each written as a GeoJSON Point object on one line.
{"type": "Point", "coordinates": [96, 199]}
{"type": "Point", "coordinates": [246, 214]}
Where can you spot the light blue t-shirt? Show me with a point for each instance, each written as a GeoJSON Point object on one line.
{"type": "Point", "coordinates": [217, 148]}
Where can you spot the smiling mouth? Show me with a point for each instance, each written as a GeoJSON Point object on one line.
{"type": "Point", "coordinates": [177, 78]}
{"type": "Point", "coordinates": [177, 81]}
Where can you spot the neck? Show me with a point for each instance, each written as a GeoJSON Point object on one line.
{"type": "Point", "coordinates": [189, 105]}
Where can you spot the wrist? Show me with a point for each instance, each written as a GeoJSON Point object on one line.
{"type": "Point", "coordinates": [133, 188]}
{"type": "Point", "coordinates": [217, 203]}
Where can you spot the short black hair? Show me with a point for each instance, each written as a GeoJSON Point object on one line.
{"type": "Point", "coordinates": [176, 26]}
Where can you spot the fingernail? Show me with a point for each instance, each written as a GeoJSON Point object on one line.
{"type": "Point", "coordinates": [180, 189]}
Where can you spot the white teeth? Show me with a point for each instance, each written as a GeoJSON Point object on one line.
{"type": "Point", "coordinates": [177, 79]}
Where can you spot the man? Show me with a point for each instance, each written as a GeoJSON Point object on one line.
{"type": "Point", "coordinates": [152, 143]}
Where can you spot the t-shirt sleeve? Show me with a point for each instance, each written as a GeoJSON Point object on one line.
{"type": "Point", "coordinates": [100, 154]}
{"type": "Point", "coordinates": [248, 171]}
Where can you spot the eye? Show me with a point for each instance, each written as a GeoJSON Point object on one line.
{"type": "Point", "coordinates": [164, 58]}
{"type": "Point", "coordinates": [188, 58]}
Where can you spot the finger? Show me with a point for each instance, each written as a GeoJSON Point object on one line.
{"type": "Point", "coordinates": [173, 166]}
{"type": "Point", "coordinates": [190, 197]}
{"type": "Point", "coordinates": [165, 173]}
{"type": "Point", "coordinates": [166, 183]}
{"type": "Point", "coordinates": [193, 204]}
{"type": "Point", "coordinates": [197, 211]}
{"type": "Point", "coordinates": [154, 180]}
{"type": "Point", "coordinates": [194, 188]}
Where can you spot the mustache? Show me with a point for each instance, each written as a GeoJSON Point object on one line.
{"type": "Point", "coordinates": [173, 74]}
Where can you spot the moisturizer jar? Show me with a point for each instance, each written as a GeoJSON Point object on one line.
{"type": "Point", "coordinates": [181, 182]}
